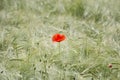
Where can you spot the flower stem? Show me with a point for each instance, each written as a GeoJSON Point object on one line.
{"type": "Point", "coordinates": [59, 48]}
{"type": "Point", "coordinates": [59, 54]}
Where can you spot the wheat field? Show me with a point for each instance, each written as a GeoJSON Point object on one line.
{"type": "Point", "coordinates": [91, 50]}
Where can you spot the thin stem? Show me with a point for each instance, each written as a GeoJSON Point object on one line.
{"type": "Point", "coordinates": [59, 47]}
{"type": "Point", "coordinates": [59, 54]}
{"type": "Point", "coordinates": [34, 71]}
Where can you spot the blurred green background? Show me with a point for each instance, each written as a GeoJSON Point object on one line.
{"type": "Point", "coordinates": [92, 29]}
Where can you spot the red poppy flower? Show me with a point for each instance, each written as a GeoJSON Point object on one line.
{"type": "Point", "coordinates": [110, 65]}
{"type": "Point", "coordinates": [58, 37]}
